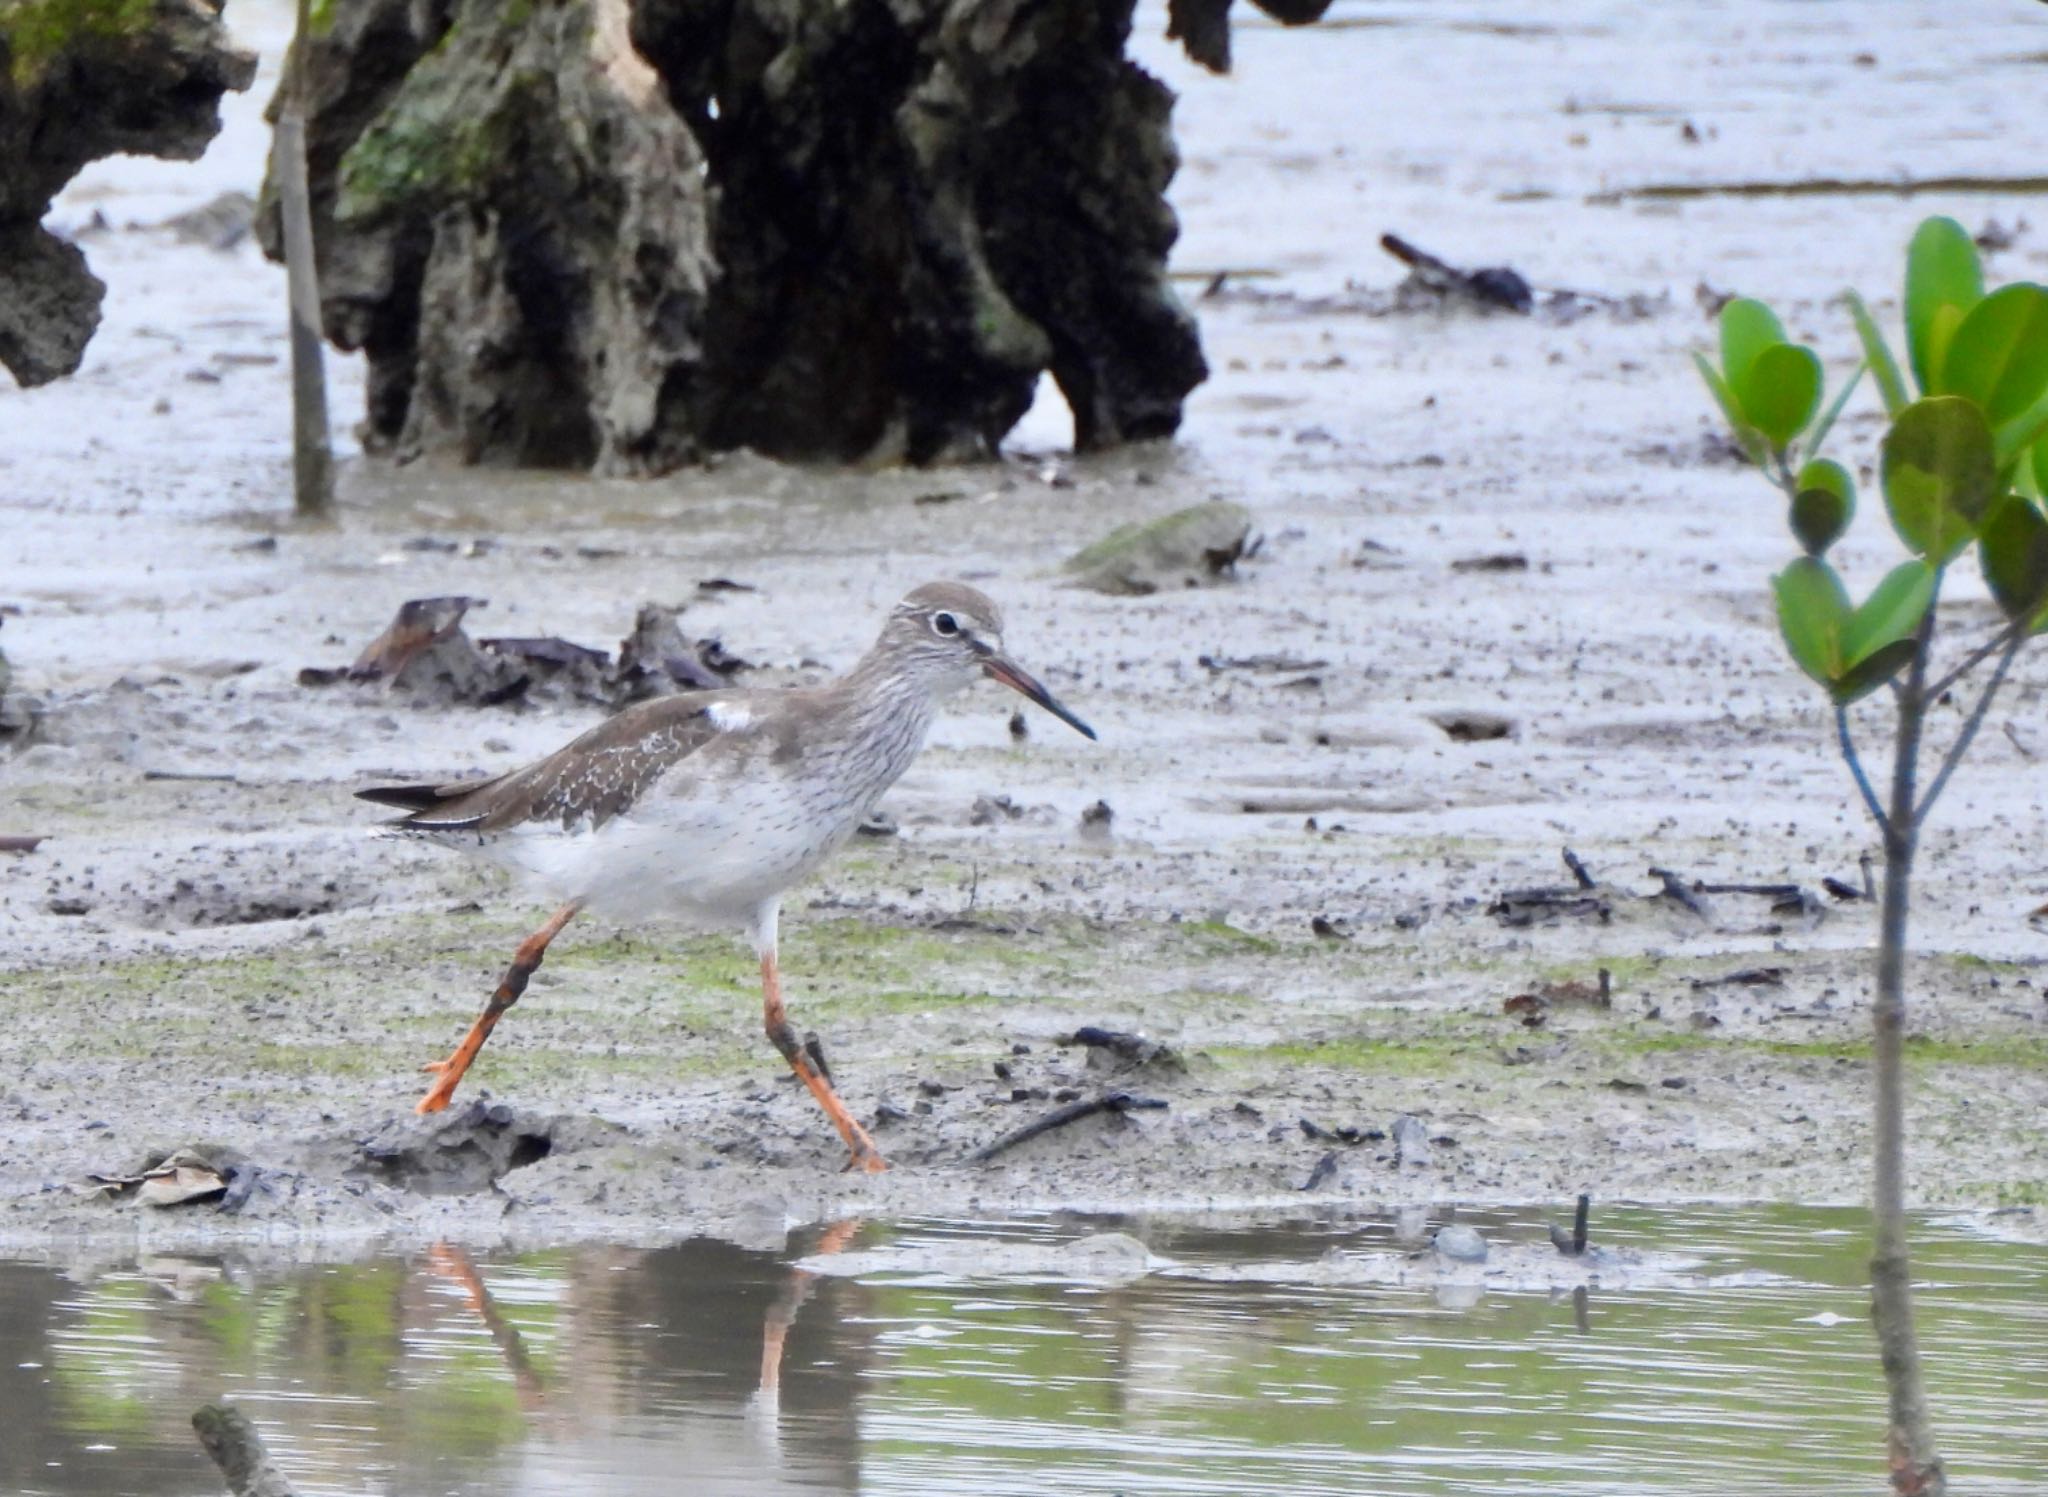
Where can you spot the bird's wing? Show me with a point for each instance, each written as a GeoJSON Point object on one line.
{"type": "Point", "coordinates": [586, 783]}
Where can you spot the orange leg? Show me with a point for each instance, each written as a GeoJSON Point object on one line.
{"type": "Point", "coordinates": [449, 1072]}
{"type": "Point", "coordinates": [865, 1155]}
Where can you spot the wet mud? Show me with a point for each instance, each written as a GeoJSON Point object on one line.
{"type": "Point", "coordinates": [1317, 784]}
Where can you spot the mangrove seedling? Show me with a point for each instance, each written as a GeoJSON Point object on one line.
{"type": "Point", "coordinates": [1963, 465]}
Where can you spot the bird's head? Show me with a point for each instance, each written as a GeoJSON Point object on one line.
{"type": "Point", "coordinates": [948, 634]}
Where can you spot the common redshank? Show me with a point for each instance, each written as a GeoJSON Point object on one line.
{"type": "Point", "coordinates": [711, 804]}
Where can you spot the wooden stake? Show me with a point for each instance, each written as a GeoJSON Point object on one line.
{"type": "Point", "coordinates": [312, 454]}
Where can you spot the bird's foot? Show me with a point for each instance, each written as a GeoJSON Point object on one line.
{"type": "Point", "coordinates": [449, 1074]}
{"type": "Point", "coordinates": [867, 1161]}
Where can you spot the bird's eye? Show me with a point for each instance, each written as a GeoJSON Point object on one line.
{"type": "Point", "coordinates": [945, 623]}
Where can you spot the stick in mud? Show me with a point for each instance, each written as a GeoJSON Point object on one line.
{"type": "Point", "coordinates": [1573, 1245]}
{"type": "Point", "coordinates": [312, 452]}
{"type": "Point", "coordinates": [1676, 891]}
{"type": "Point", "coordinates": [1059, 1117]}
{"type": "Point", "coordinates": [1579, 870]}
{"type": "Point", "coordinates": [232, 1442]}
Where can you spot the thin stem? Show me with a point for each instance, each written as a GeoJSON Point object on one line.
{"type": "Point", "coordinates": [1855, 762]}
{"type": "Point", "coordinates": [1916, 1467]}
{"type": "Point", "coordinates": [2005, 639]}
{"type": "Point", "coordinates": [1970, 726]}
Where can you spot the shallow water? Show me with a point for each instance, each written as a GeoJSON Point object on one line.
{"type": "Point", "coordinates": [710, 1367]}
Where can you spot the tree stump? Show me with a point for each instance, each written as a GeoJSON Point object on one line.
{"type": "Point", "coordinates": [574, 233]}
{"type": "Point", "coordinates": [78, 82]}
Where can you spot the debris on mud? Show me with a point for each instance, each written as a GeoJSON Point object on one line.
{"type": "Point", "coordinates": [1125, 1049]}
{"type": "Point", "coordinates": [1534, 1007]}
{"type": "Point", "coordinates": [1117, 1103]}
{"type": "Point", "coordinates": [1517, 908]}
{"type": "Point", "coordinates": [1194, 547]}
{"type": "Point", "coordinates": [655, 659]}
{"type": "Point", "coordinates": [1325, 1171]}
{"type": "Point", "coordinates": [427, 655]}
{"type": "Point", "coordinates": [1473, 726]}
{"type": "Point", "coordinates": [1495, 286]}
{"type": "Point", "coordinates": [176, 1178]}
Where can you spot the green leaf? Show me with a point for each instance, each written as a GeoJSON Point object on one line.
{"type": "Point", "coordinates": [1748, 327]}
{"type": "Point", "coordinates": [1939, 475]}
{"type": "Point", "coordinates": [1813, 610]}
{"type": "Point", "coordinates": [1873, 670]}
{"type": "Point", "coordinates": [1823, 504]}
{"type": "Point", "coordinates": [2013, 550]}
{"type": "Point", "coordinates": [2040, 465]}
{"type": "Point", "coordinates": [1943, 282]}
{"type": "Point", "coordinates": [2022, 432]}
{"type": "Point", "coordinates": [1892, 612]}
{"type": "Point", "coordinates": [1782, 393]}
{"type": "Point", "coordinates": [1999, 356]}
{"type": "Point", "coordinates": [1746, 436]}
{"type": "Point", "coordinates": [1878, 354]}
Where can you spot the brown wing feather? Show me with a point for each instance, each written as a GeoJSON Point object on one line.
{"type": "Point", "coordinates": [590, 780]}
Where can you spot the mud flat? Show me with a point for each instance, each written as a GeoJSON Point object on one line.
{"type": "Point", "coordinates": [1517, 525]}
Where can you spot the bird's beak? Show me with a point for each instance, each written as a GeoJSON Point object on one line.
{"type": "Point", "coordinates": [1019, 680]}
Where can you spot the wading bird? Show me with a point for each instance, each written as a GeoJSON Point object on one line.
{"type": "Point", "coordinates": [710, 805]}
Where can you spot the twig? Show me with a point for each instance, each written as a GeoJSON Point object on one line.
{"type": "Point", "coordinates": [2007, 638]}
{"type": "Point", "coordinates": [1855, 764]}
{"type": "Point", "coordinates": [231, 1440]}
{"type": "Point", "coordinates": [1762, 891]}
{"type": "Point", "coordinates": [1970, 727]}
{"type": "Point", "coordinates": [196, 776]}
{"type": "Point", "coordinates": [1059, 1117]}
{"type": "Point", "coordinates": [1579, 871]}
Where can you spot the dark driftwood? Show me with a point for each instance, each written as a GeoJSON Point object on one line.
{"type": "Point", "coordinates": [1676, 891]}
{"type": "Point", "coordinates": [1573, 1243]}
{"type": "Point", "coordinates": [231, 1440]}
{"type": "Point", "coordinates": [1059, 1117]}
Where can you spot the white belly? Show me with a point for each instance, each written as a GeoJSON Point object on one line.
{"type": "Point", "coordinates": [707, 864]}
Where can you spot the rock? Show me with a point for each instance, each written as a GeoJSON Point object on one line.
{"type": "Point", "coordinates": [1460, 1244]}
{"type": "Point", "coordinates": [1411, 1140]}
{"type": "Point", "coordinates": [78, 82]}
{"type": "Point", "coordinates": [220, 223]}
{"type": "Point", "coordinates": [857, 231]}
{"type": "Point", "coordinates": [1193, 547]}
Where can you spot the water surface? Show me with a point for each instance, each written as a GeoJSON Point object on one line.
{"type": "Point", "coordinates": [712, 1368]}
